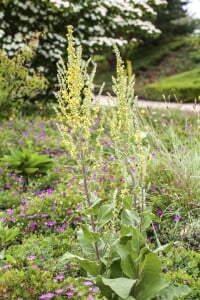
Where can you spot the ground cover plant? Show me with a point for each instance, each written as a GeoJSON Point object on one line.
{"type": "Point", "coordinates": [117, 207]}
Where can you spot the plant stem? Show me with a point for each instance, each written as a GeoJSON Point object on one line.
{"type": "Point", "coordinates": [88, 200]}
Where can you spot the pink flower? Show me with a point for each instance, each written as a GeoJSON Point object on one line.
{"type": "Point", "coordinates": [47, 296]}
{"type": "Point", "coordinates": [88, 283]}
{"type": "Point", "coordinates": [31, 257]}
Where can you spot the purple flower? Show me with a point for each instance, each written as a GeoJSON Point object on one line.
{"type": "Point", "coordinates": [6, 267]}
{"type": "Point", "coordinates": [95, 289]}
{"type": "Point", "coordinates": [177, 183]}
{"type": "Point", "coordinates": [51, 223]}
{"type": "Point", "coordinates": [44, 215]}
{"type": "Point", "coordinates": [156, 226]}
{"type": "Point", "coordinates": [70, 294]}
{"type": "Point", "coordinates": [88, 283]}
{"type": "Point", "coordinates": [112, 177]}
{"type": "Point", "coordinates": [61, 229]}
{"type": "Point", "coordinates": [59, 277]}
{"type": "Point", "coordinates": [33, 225]}
{"type": "Point", "coordinates": [57, 169]}
{"type": "Point", "coordinates": [159, 211]}
{"type": "Point", "coordinates": [9, 212]}
{"type": "Point", "coordinates": [90, 297]}
{"type": "Point", "coordinates": [177, 218]}
{"type": "Point", "coordinates": [50, 191]}
{"type": "Point", "coordinates": [47, 296]}
{"type": "Point", "coordinates": [59, 291]}
{"type": "Point", "coordinates": [31, 257]}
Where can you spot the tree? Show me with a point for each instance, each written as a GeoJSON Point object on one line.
{"type": "Point", "coordinates": [174, 19]}
{"type": "Point", "coordinates": [97, 23]}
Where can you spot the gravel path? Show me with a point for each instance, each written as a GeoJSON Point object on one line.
{"type": "Point", "coordinates": [186, 107]}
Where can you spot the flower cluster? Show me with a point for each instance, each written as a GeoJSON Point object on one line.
{"type": "Point", "coordinates": [98, 24]}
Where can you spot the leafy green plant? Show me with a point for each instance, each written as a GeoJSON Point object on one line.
{"type": "Point", "coordinates": [181, 266]}
{"type": "Point", "coordinates": [16, 83]}
{"type": "Point", "coordinates": [27, 164]}
{"type": "Point", "coordinates": [114, 252]}
{"type": "Point", "coordinates": [7, 236]}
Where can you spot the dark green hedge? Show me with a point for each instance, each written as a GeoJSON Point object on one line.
{"type": "Point", "coordinates": [184, 87]}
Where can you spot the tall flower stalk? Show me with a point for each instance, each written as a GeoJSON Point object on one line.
{"type": "Point", "coordinates": [77, 112]}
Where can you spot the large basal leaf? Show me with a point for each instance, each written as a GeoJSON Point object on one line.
{"type": "Point", "coordinates": [91, 267]}
{"type": "Point", "coordinates": [173, 292]}
{"type": "Point", "coordinates": [150, 280]}
{"type": "Point", "coordinates": [120, 286]}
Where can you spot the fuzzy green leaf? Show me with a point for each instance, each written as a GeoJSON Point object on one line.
{"type": "Point", "coordinates": [120, 286]}
{"type": "Point", "coordinates": [150, 280]}
{"type": "Point", "coordinates": [91, 267]}
{"type": "Point", "coordinates": [88, 235]}
{"type": "Point", "coordinates": [173, 292]}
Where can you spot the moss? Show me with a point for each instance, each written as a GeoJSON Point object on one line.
{"type": "Point", "coordinates": [184, 87]}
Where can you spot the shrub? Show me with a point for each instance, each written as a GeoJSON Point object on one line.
{"type": "Point", "coordinates": [184, 87]}
{"type": "Point", "coordinates": [16, 83]}
{"type": "Point", "coordinates": [98, 24]}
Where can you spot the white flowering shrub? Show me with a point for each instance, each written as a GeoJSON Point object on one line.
{"type": "Point", "coordinates": [97, 24]}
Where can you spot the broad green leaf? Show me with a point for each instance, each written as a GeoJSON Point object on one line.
{"type": "Point", "coordinates": [120, 286]}
{"type": "Point", "coordinates": [138, 241]}
{"type": "Point", "coordinates": [173, 292]}
{"type": "Point", "coordinates": [163, 248]}
{"type": "Point", "coordinates": [105, 214]}
{"type": "Point", "coordinates": [88, 235]}
{"type": "Point", "coordinates": [146, 221]}
{"type": "Point", "coordinates": [150, 281]}
{"type": "Point", "coordinates": [31, 170]}
{"type": "Point", "coordinates": [129, 218]}
{"type": "Point", "coordinates": [127, 265]}
{"type": "Point", "coordinates": [126, 231]}
{"type": "Point", "coordinates": [91, 267]}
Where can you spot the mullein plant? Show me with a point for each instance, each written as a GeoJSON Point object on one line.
{"type": "Point", "coordinates": [114, 252]}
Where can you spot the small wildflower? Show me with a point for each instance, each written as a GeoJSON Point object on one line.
{"type": "Point", "coordinates": [61, 229]}
{"type": "Point", "coordinates": [47, 296]}
{"type": "Point", "coordinates": [95, 289]}
{"type": "Point", "coordinates": [70, 294]}
{"type": "Point", "coordinates": [6, 267]}
{"type": "Point", "coordinates": [59, 277]}
{"type": "Point", "coordinates": [9, 212]}
{"type": "Point", "coordinates": [177, 218]}
{"type": "Point", "coordinates": [31, 257]}
{"type": "Point", "coordinates": [33, 225]}
{"type": "Point", "coordinates": [88, 283]}
{"type": "Point", "coordinates": [159, 211]}
{"type": "Point", "coordinates": [59, 291]}
{"type": "Point", "coordinates": [50, 223]}
{"type": "Point", "coordinates": [50, 191]}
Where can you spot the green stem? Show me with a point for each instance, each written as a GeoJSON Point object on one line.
{"type": "Point", "coordinates": [89, 201]}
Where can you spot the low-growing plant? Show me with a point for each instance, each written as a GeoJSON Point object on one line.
{"type": "Point", "coordinates": [27, 163]}
{"type": "Point", "coordinates": [7, 236]}
{"type": "Point", "coordinates": [16, 83]}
